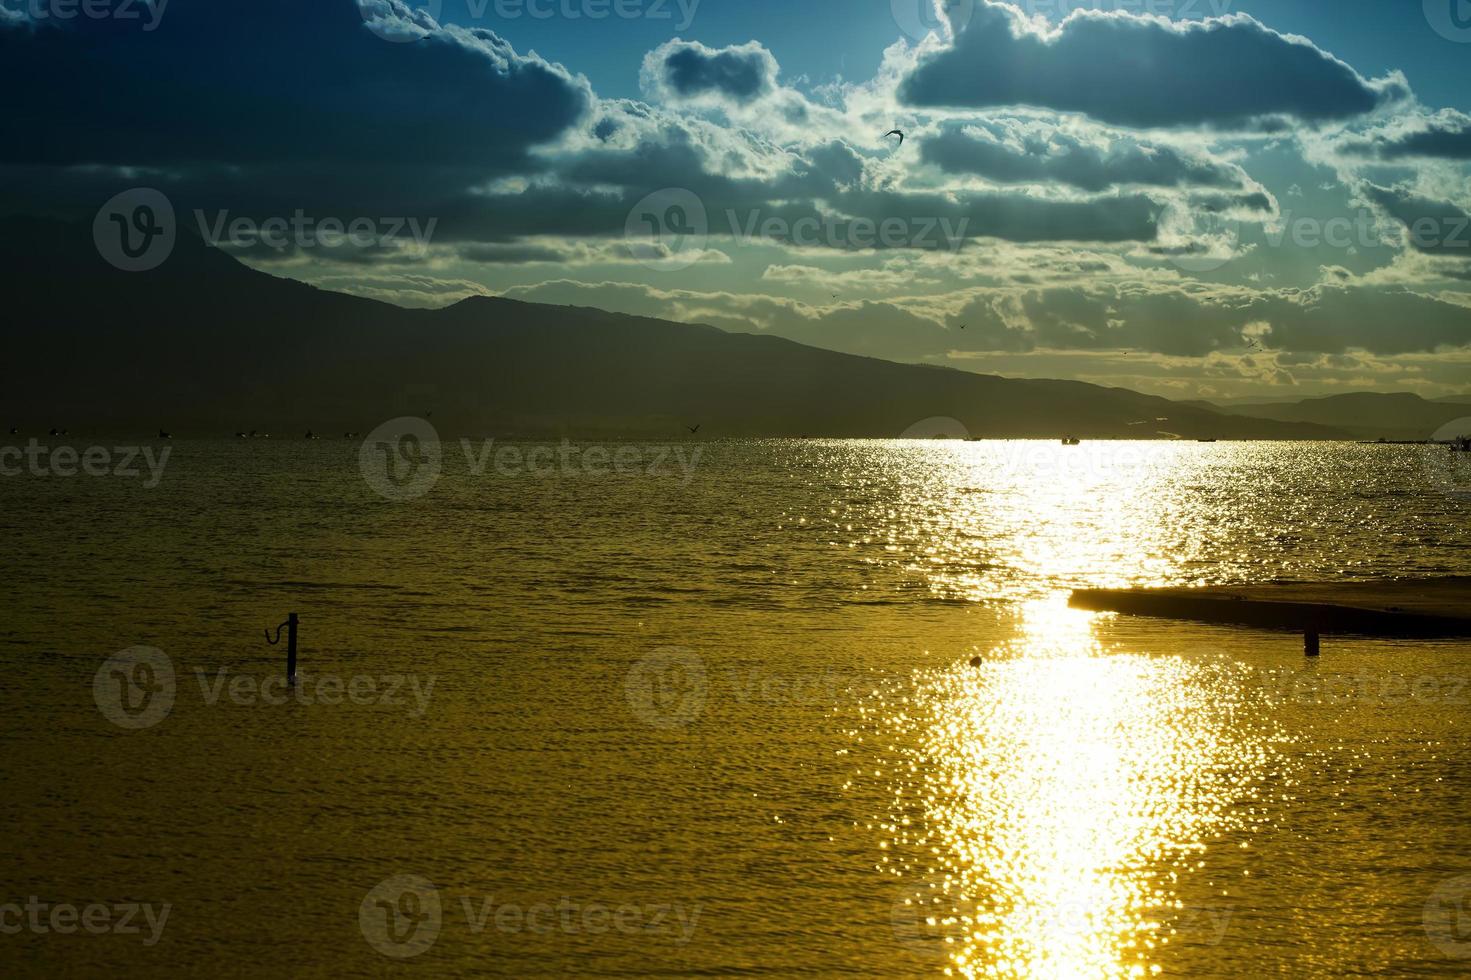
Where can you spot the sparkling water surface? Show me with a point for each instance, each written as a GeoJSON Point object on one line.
{"type": "Point", "coordinates": [721, 718]}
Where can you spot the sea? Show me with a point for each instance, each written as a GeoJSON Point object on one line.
{"type": "Point", "coordinates": [721, 708]}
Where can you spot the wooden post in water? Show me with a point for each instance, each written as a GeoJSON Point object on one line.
{"type": "Point", "coordinates": [1309, 641]}
{"type": "Point", "coordinates": [290, 625]}
{"type": "Point", "coordinates": [291, 649]}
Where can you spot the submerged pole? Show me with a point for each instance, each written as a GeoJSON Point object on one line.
{"type": "Point", "coordinates": [1309, 641]}
{"type": "Point", "coordinates": [290, 626]}
{"type": "Point", "coordinates": [291, 649]}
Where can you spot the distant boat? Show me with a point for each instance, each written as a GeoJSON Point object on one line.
{"type": "Point", "coordinates": [1071, 440]}
{"type": "Point", "coordinates": [165, 435]}
{"type": "Point", "coordinates": [1205, 440]}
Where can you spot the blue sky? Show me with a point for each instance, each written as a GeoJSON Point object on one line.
{"type": "Point", "coordinates": [1197, 198]}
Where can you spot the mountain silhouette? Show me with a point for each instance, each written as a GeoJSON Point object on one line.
{"type": "Point", "coordinates": [1365, 414]}
{"type": "Point", "coordinates": [208, 346]}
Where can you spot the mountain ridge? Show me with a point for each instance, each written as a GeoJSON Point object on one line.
{"type": "Point", "coordinates": [206, 345]}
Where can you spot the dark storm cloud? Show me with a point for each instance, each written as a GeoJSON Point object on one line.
{"type": "Point", "coordinates": [1447, 136]}
{"type": "Point", "coordinates": [1065, 159]}
{"type": "Point", "coordinates": [1433, 227]}
{"type": "Point", "coordinates": [279, 87]}
{"type": "Point", "coordinates": [1142, 71]}
{"type": "Point", "coordinates": [816, 197]}
{"type": "Point", "coordinates": [688, 70]}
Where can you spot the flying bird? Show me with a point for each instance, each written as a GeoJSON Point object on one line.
{"type": "Point", "coordinates": [693, 428]}
{"type": "Point", "coordinates": [895, 132]}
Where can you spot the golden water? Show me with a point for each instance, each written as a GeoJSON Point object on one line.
{"type": "Point", "coordinates": [746, 699]}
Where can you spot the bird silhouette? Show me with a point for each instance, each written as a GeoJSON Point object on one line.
{"type": "Point", "coordinates": [165, 435]}
{"type": "Point", "coordinates": [693, 428]}
{"type": "Point", "coordinates": [895, 132]}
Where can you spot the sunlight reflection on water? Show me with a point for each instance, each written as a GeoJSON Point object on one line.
{"type": "Point", "coordinates": [1047, 802]}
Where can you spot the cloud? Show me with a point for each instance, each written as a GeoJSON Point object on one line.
{"type": "Point", "coordinates": [688, 71]}
{"type": "Point", "coordinates": [1432, 226]}
{"type": "Point", "coordinates": [1044, 155]}
{"type": "Point", "coordinates": [1142, 71]}
{"type": "Point", "coordinates": [1446, 135]}
{"type": "Point", "coordinates": [321, 90]}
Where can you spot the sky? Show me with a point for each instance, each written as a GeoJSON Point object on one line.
{"type": "Point", "coordinates": [1193, 198]}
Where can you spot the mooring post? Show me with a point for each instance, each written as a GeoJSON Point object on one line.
{"type": "Point", "coordinates": [290, 625]}
{"type": "Point", "coordinates": [1309, 642]}
{"type": "Point", "coordinates": [291, 649]}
